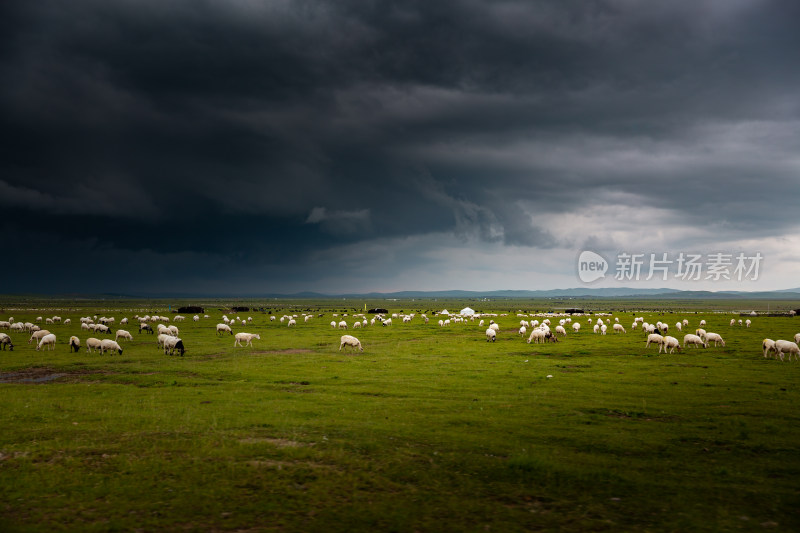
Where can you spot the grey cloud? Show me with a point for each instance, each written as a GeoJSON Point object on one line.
{"type": "Point", "coordinates": [308, 126]}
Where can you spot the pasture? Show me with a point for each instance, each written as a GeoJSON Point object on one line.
{"type": "Point", "coordinates": [429, 429]}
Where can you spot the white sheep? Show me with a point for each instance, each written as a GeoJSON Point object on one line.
{"type": "Point", "coordinates": [5, 340]}
{"type": "Point", "coordinates": [494, 326]}
{"type": "Point", "coordinates": [67, 322]}
{"type": "Point", "coordinates": [671, 343]}
{"type": "Point", "coordinates": [618, 328]}
{"type": "Point", "coordinates": [195, 318]}
{"type": "Point", "coordinates": [603, 329]}
{"type": "Point", "coordinates": [782, 347]}
{"type": "Point", "coordinates": [656, 338]}
{"type": "Point", "coordinates": [246, 337]}
{"type": "Point", "coordinates": [767, 346]}
{"type": "Point", "coordinates": [576, 327]}
{"type": "Point", "coordinates": [747, 323]}
{"type": "Point", "coordinates": [173, 330]}
{"type": "Point", "coordinates": [491, 334]}
{"type": "Point", "coordinates": [349, 340]}
{"type": "Point", "coordinates": [172, 344]}
{"type": "Point", "coordinates": [333, 324]}
{"type": "Point", "coordinates": [700, 332]}
{"type": "Point", "coordinates": [537, 335]}
{"type": "Point", "coordinates": [678, 326]}
{"type": "Point", "coordinates": [702, 323]}
{"type": "Point", "coordinates": [356, 324]}
{"type": "Point", "coordinates": [124, 334]}
{"type": "Point", "coordinates": [92, 343]}
{"type": "Point", "coordinates": [292, 322]}
{"type": "Point", "coordinates": [797, 338]}
{"type": "Point", "coordinates": [733, 321]}
{"type": "Point", "coordinates": [690, 338]}
{"type": "Point", "coordinates": [74, 344]}
{"type": "Point", "coordinates": [47, 340]}
{"type": "Point", "coordinates": [162, 339]}
{"type": "Point", "coordinates": [108, 344]}
{"type": "Point", "coordinates": [224, 328]}
{"type": "Point", "coordinates": [37, 335]}
{"type": "Point", "coordinates": [715, 337]}
{"type": "Point", "coordinates": [523, 330]}
{"type": "Point", "coordinates": [740, 321]}
{"type": "Point", "coordinates": [388, 322]}
{"type": "Point", "coordinates": [561, 331]}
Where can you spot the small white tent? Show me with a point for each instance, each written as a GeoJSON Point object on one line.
{"type": "Point", "coordinates": [444, 312]}
{"type": "Point", "coordinates": [467, 312]}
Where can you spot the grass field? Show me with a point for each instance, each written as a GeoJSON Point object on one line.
{"type": "Point", "coordinates": [429, 429]}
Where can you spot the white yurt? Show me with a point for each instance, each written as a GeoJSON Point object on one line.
{"type": "Point", "coordinates": [467, 312]}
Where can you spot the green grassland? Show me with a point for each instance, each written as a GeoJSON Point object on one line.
{"type": "Point", "coordinates": [429, 429]}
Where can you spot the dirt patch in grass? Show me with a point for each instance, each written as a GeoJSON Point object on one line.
{"type": "Point", "coordinates": [280, 465]}
{"type": "Point", "coordinates": [279, 443]}
{"type": "Point", "coordinates": [288, 351]}
{"type": "Point", "coordinates": [43, 375]}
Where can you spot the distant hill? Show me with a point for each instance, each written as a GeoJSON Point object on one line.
{"type": "Point", "coordinates": [578, 292]}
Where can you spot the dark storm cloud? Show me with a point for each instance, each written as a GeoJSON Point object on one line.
{"type": "Point", "coordinates": [242, 138]}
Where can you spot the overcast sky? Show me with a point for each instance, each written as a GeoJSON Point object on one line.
{"type": "Point", "coordinates": [247, 146]}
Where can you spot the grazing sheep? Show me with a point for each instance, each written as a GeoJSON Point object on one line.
{"type": "Point", "coordinates": [671, 343]}
{"type": "Point", "coordinates": [656, 338]}
{"type": "Point", "coordinates": [222, 328]}
{"type": "Point", "coordinates": [121, 322]}
{"type": "Point", "coordinates": [576, 327]}
{"type": "Point", "coordinates": [603, 329]}
{"type": "Point", "coordinates": [596, 328]}
{"type": "Point", "coordinates": [561, 331]}
{"type": "Point", "coordinates": [74, 344]}
{"type": "Point", "coordinates": [172, 344]}
{"type": "Point", "coordinates": [5, 340]}
{"type": "Point", "coordinates": [709, 337]}
{"type": "Point", "coordinates": [92, 343]}
{"type": "Point", "coordinates": [143, 326]}
{"type": "Point", "coordinates": [109, 345]}
{"type": "Point", "coordinates": [523, 330]}
{"type": "Point", "coordinates": [700, 332]}
{"type": "Point", "coordinates": [678, 326]}
{"type": "Point", "coordinates": [179, 318]}
{"type": "Point", "coordinates": [733, 321]}
{"type": "Point", "coordinates": [797, 338]}
{"type": "Point", "coordinates": [67, 322]}
{"type": "Point", "coordinates": [196, 318]}
{"type": "Point", "coordinates": [689, 338]}
{"type": "Point", "coordinates": [292, 322]}
{"type": "Point", "coordinates": [356, 324]}
{"type": "Point", "coordinates": [495, 327]}
{"type": "Point", "coordinates": [37, 335]}
{"type": "Point", "coordinates": [537, 336]}
{"type": "Point", "coordinates": [173, 330]}
{"type": "Point", "coordinates": [333, 324]}
{"type": "Point", "coordinates": [782, 347]}
{"type": "Point", "coordinates": [162, 339]}
{"type": "Point", "coordinates": [747, 323]}
{"type": "Point", "coordinates": [349, 340]}
{"type": "Point", "coordinates": [618, 328]}
{"type": "Point", "coordinates": [246, 337]}
{"type": "Point", "coordinates": [702, 323]}
{"type": "Point", "coordinates": [767, 346]}
{"type": "Point", "coordinates": [740, 321]}
{"type": "Point", "coordinates": [388, 322]}
{"type": "Point", "coordinates": [124, 334]}
{"type": "Point", "coordinates": [102, 328]}
{"type": "Point", "coordinates": [343, 325]}
{"type": "Point", "coordinates": [47, 340]}
{"type": "Point", "coordinates": [491, 334]}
